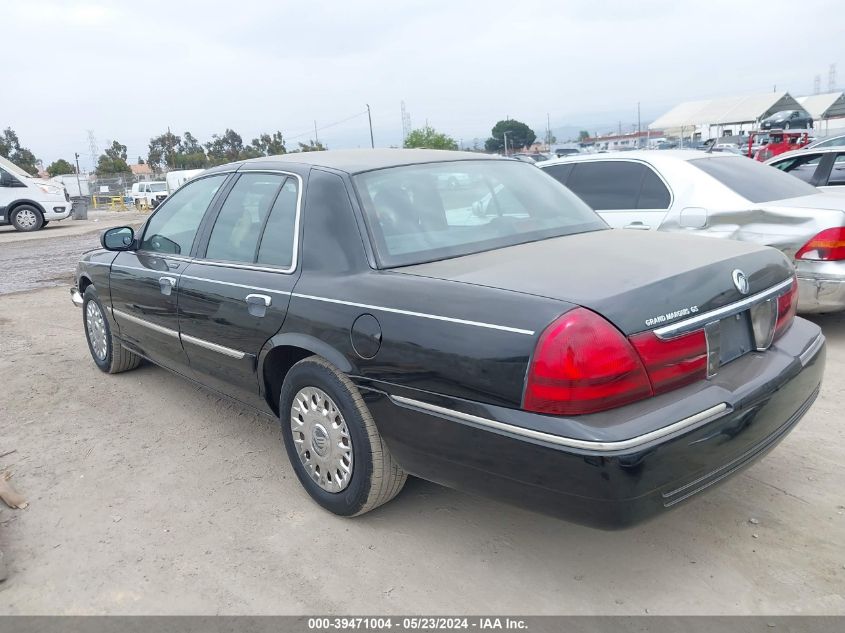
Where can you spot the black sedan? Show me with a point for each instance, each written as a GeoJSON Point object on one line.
{"type": "Point", "coordinates": [496, 337]}
{"type": "Point", "coordinates": [786, 120]}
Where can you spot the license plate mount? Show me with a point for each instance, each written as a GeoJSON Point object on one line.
{"type": "Point", "coordinates": [736, 338]}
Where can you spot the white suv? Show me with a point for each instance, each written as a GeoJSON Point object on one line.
{"type": "Point", "coordinates": [29, 203]}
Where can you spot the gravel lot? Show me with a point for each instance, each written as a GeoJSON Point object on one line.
{"type": "Point", "coordinates": [150, 495]}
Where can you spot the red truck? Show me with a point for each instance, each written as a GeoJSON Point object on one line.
{"type": "Point", "coordinates": [763, 145]}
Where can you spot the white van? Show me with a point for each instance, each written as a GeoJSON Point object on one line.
{"type": "Point", "coordinates": [30, 203]}
{"type": "Point", "coordinates": [179, 177]}
{"type": "Point", "coordinates": [149, 192]}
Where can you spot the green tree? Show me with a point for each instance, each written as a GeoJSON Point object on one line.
{"type": "Point", "coordinates": [583, 135]}
{"type": "Point", "coordinates": [519, 136]}
{"type": "Point", "coordinates": [311, 146]}
{"type": "Point", "coordinates": [189, 154]}
{"type": "Point", "coordinates": [270, 144]}
{"type": "Point", "coordinates": [113, 161]}
{"type": "Point", "coordinates": [163, 150]}
{"type": "Point", "coordinates": [225, 148]}
{"type": "Point", "coordinates": [430, 138]}
{"type": "Point", "coordinates": [60, 167]}
{"type": "Point", "coordinates": [10, 147]}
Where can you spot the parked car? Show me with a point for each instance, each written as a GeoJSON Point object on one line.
{"type": "Point", "coordinates": [508, 344]}
{"type": "Point", "coordinates": [787, 120]}
{"type": "Point", "coordinates": [29, 203]}
{"type": "Point", "coordinates": [829, 141]}
{"type": "Point", "coordinates": [149, 193]}
{"type": "Point", "coordinates": [823, 167]}
{"type": "Point", "coordinates": [720, 195]}
{"type": "Point", "coordinates": [566, 151]}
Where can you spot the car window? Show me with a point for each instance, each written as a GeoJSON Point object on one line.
{"type": "Point", "coordinates": [237, 228]}
{"type": "Point", "coordinates": [607, 185]}
{"type": "Point", "coordinates": [653, 193]}
{"type": "Point", "coordinates": [174, 225]}
{"type": "Point", "coordinates": [802, 167]}
{"type": "Point", "coordinates": [414, 214]}
{"type": "Point", "coordinates": [277, 241]}
{"type": "Point", "coordinates": [752, 180]}
{"type": "Point", "coordinates": [560, 172]}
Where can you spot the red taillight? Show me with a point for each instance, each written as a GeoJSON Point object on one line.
{"type": "Point", "coordinates": [828, 246]}
{"type": "Point", "coordinates": [583, 364]}
{"type": "Point", "coordinates": [674, 362]}
{"type": "Point", "coordinates": [787, 307]}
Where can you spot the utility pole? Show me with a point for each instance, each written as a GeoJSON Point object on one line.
{"type": "Point", "coordinates": [78, 185]}
{"type": "Point", "coordinates": [370, 118]}
{"type": "Point", "coordinates": [639, 125]}
{"type": "Point", "coordinates": [505, 134]}
{"type": "Point", "coordinates": [316, 138]}
{"type": "Point", "coordinates": [548, 133]}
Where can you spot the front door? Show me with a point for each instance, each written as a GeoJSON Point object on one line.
{"type": "Point", "coordinates": [627, 194]}
{"type": "Point", "coordinates": [234, 295]}
{"type": "Point", "coordinates": [145, 283]}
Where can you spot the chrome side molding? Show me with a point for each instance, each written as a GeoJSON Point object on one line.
{"type": "Point", "coordinates": [569, 442]}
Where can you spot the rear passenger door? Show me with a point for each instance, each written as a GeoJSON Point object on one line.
{"type": "Point", "coordinates": [234, 296]}
{"type": "Point", "coordinates": [627, 194]}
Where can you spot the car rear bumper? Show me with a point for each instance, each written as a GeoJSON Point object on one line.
{"type": "Point", "coordinates": [821, 286]}
{"type": "Point", "coordinates": [615, 469]}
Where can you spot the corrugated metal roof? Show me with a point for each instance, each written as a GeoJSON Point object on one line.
{"type": "Point", "coordinates": [727, 110]}
{"type": "Point", "coordinates": [824, 106]}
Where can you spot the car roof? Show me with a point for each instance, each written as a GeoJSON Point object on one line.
{"type": "Point", "coordinates": [648, 155]}
{"type": "Point", "coordinates": [355, 161]}
{"type": "Point", "coordinates": [808, 150]}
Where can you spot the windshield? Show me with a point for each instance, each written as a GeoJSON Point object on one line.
{"type": "Point", "coordinates": [14, 169]}
{"type": "Point", "coordinates": [422, 213]}
{"type": "Point", "coordinates": [158, 186]}
{"type": "Point", "coordinates": [753, 180]}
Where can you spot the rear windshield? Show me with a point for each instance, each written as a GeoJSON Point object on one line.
{"type": "Point", "coordinates": [753, 180]}
{"type": "Point", "coordinates": [422, 213]}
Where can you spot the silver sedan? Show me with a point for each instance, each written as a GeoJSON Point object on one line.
{"type": "Point", "coordinates": [723, 196]}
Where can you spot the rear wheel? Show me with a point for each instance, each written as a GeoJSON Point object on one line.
{"type": "Point", "coordinates": [108, 354]}
{"type": "Point", "coordinates": [27, 218]}
{"type": "Point", "coordinates": [332, 441]}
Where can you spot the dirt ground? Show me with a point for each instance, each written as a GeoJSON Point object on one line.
{"type": "Point", "coordinates": [150, 495]}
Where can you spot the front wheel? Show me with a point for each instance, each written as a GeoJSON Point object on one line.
{"type": "Point", "coordinates": [108, 354]}
{"type": "Point", "coordinates": [27, 218]}
{"type": "Point", "coordinates": [332, 441]}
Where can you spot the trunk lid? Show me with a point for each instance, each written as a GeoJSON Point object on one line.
{"type": "Point", "coordinates": [636, 279]}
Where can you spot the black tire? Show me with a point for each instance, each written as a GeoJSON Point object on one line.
{"type": "Point", "coordinates": [115, 358]}
{"type": "Point", "coordinates": [27, 218]}
{"type": "Point", "coordinates": [376, 478]}
{"type": "Point", "coordinates": [45, 223]}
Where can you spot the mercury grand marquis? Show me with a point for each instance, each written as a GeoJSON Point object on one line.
{"type": "Point", "coordinates": [493, 335]}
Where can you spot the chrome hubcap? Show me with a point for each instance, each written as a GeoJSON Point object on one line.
{"type": "Point", "coordinates": [26, 218]}
{"type": "Point", "coordinates": [321, 438]}
{"type": "Point", "coordinates": [96, 326]}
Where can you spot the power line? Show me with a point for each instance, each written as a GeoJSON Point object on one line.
{"type": "Point", "coordinates": [325, 127]}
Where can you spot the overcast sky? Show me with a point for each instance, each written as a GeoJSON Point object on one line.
{"type": "Point", "coordinates": [128, 70]}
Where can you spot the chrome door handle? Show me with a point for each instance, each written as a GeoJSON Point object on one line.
{"type": "Point", "coordinates": [257, 305]}
{"type": "Point", "coordinates": [638, 226]}
{"type": "Point", "coordinates": [166, 284]}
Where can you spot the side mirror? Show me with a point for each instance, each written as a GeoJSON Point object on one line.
{"type": "Point", "coordinates": [120, 238]}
